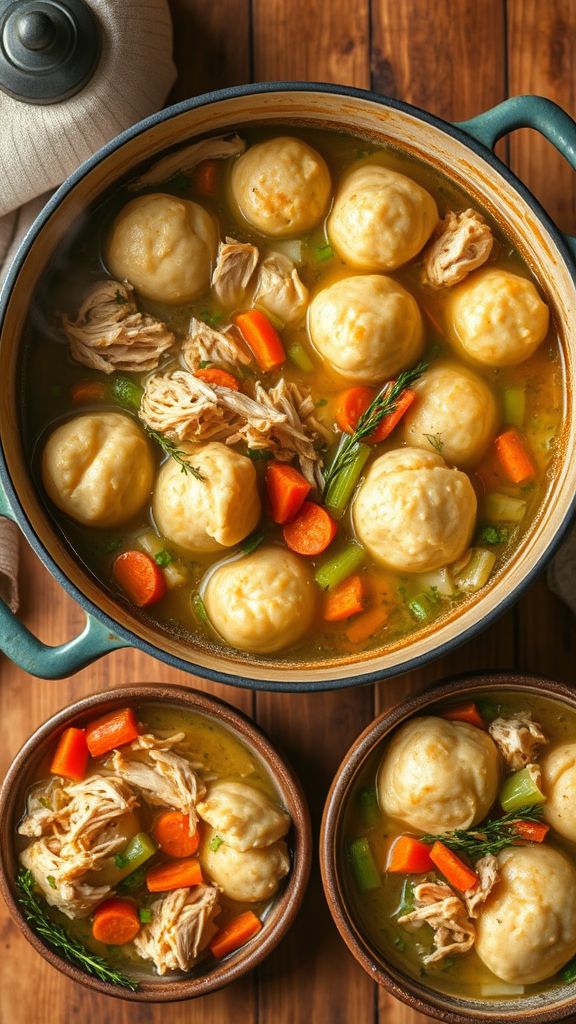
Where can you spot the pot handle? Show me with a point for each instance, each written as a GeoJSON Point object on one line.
{"type": "Point", "coordinates": [30, 654]}
{"type": "Point", "coordinates": [527, 112]}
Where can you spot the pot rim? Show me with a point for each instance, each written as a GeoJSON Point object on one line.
{"type": "Point", "coordinates": [376, 732]}
{"type": "Point", "coordinates": [292, 683]}
{"type": "Point", "coordinates": [290, 898]}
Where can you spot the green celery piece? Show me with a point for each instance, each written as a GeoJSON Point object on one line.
{"type": "Point", "coordinates": [406, 905]}
{"type": "Point", "coordinates": [126, 392]}
{"type": "Point", "coordinates": [514, 406]}
{"type": "Point", "coordinates": [568, 973]}
{"type": "Point", "coordinates": [501, 508]}
{"type": "Point", "coordinates": [199, 609]}
{"type": "Point", "coordinates": [134, 881]}
{"type": "Point", "coordinates": [366, 874]}
{"type": "Point", "coordinates": [477, 573]}
{"type": "Point", "coordinates": [252, 541]}
{"type": "Point", "coordinates": [421, 608]}
{"type": "Point", "coordinates": [520, 790]}
{"type": "Point", "coordinates": [299, 356]}
{"type": "Point", "coordinates": [330, 573]}
{"type": "Point", "coordinates": [341, 488]}
{"type": "Point", "coordinates": [368, 806]}
{"type": "Point", "coordinates": [139, 849]}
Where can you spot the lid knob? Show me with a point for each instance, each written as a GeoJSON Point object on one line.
{"type": "Point", "coordinates": [36, 30]}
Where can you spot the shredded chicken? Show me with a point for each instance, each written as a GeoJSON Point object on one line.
{"type": "Point", "coordinates": [487, 870]}
{"type": "Point", "coordinates": [463, 244]}
{"type": "Point", "coordinates": [279, 288]}
{"type": "Point", "coordinates": [205, 345]}
{"type": "Point", "coordinates": [148, 741]}
{"type": "Point", "coordinates": [110, 334]}
{"type": "Point", "coordinates": [73, 897]}
{"type": "Point", "coordinates": [186, 159]}
{"type": "Point", "coordinates": [182, 925]}
{"type": "Point", "coordinates": [235, 266]}
{"type": "Point", "coordinates": [518, 738]}
{"type": "Point", "coordinates": [44, 803]}
{"type": "Point", "coordinates": [440, 907]}
{"type": "Point", "coordinates": [165, 779]}
{"type": "Point", "coordinates": [185, 408]}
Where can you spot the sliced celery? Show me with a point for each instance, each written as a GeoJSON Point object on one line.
{"type": "Point", "coordinates": [521, 790]}
{"type": "Point", "coordinates": [368, 805]}
{"type": "Point", "coordinates": [139, 849]}
{"type": "Point", "coordinates": [126, 392]}
{"type": "Point", "coordinates": [501, 508]}
{"type": "Point", "coordinates": [274, 320]}
{"type": "Point", "coordinates": [341, 489]}
{"type": "Point", "coordinates": [175, 574]}
{"type": "Point", "coordinates": [440, 582]}
{"type": "Point", "coordinates": [366, 874]}
{"type": "Point", "coordinates": [299, 356]}
{"type": "Point", "coordinates": [477, 571]}
{"type": "Point", "coordinates": [420, 608]}
{"type": "Point", "coordinates": [514, 406]}
{"type": "Point", "coordinates": [340, 566]}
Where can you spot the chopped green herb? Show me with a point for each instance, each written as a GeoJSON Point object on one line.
{"type": "Point", "coordinates": [491, 837]}
{"type": "Point", "coordinates": [120, 861]}
{"type": "Point", "coordinates": [133, 881]}
{"type": "Point", "coordinates": [145, 915]}
{"type": "Point", "coordinates": [215, 843]}
{"type": "Point", "coordinates": [493, 535]}
{"type": "Point", "coordinates": [45, 803]}
{"type": "Point", "coordinates": [435, 440]}
{"type": "Point", "coordinates": [205, 364]}
{"type": "Point", "coordinates": [51, 881]}
{"type": "Point", "coordinates": [323, 252]}
{"type": "Point", "coordinates": [321, 402]}
{"type": "Point", "coordinates": [253, 541]}
{"type": "Point", "coordinates": [211, 317]}
{"type": "Point", "coordinates": [258, 454]}
{"type": "Point", "coordinates": [174, 452]}
{"type": "Point", "coordinates": [199, 609]}
{"type": "Point", "coordinates": [163, 557]}
{"type": "Point", "coordinates": [119, 298]}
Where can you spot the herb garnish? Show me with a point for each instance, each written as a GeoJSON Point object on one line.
{"type": "Point", "coordinates": [163, 557]}
{"type": "Point", "coordinates": [145, 915]}
{"type": "Point", "coordinates": [383, 404]}
{"type": "Point", "coordinates": [174, 452]}
{"type": "Point", "coordinates": [435, 440]}
{"type": "Point", "coordinates": [489, 838]}
{"type": "Point", "coordinates": [215, 843]}
{"type": "Point", "coordinates": [120, 299]}
{"type": "Point", "coordinates": [324, 252]}
{"type": "Point", "coordinates": [211, 317]}
{"type": "Point", "coordinates": [59, 939]}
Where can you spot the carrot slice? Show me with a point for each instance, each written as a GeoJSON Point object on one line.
{"type": "Point", "coordinates": [514, 458]}
{"type": "Point", "coordinates": [206, 177]}
{"type": "Point", "coordinates": [454, 870]}
{"type": "Point", "coordinates": [88, 391]}
{"type": "Point", "coordinates": [465, 713]}
{"type": "Point", "coordinates": [140, 577]}
{"type": "Point", "coordinates": [350, 405]}
{"type": "Point", "coordinates": [235, 934]}
{"type": "Point", "coordinates": [287, 490]}
{"type": "Point", "coordinates": [389, 422]}
{"type": "Point", "coordinates": [262, 339]}
{"type": "Point", "coordinates": [535, 831]}
{"type": "Point", "coordinates": [345, 600]}
{"type": "Point", "coordinates": [115, 922]}
{"type": "Point", "coordinates": [111, 731]}
{"type": "Point", "coordinates": [409, 855]}
{"type": "Point", "coordinates": [311, 531]}
{"type": "Point", "coordinates": [223, 379]}
{"type": "Point", "coordinates": [71, 756]}
{"type": "Point", "coordinates": [367, 625]}
{"type": "Point", "coordinates": [172, 833]}
{"type": "Point", "coordinates": [179, 875]}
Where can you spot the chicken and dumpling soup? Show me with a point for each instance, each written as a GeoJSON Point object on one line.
{"type": "Point", "coordinates": [290, 393]}
{"type": "Point", "coordinates": [457, 846]}
{"type": "Point", "coordinates": [155, 838]}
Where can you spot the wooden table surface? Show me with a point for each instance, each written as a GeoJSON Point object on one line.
{"type": "Point", "coordinates": [455, 58]}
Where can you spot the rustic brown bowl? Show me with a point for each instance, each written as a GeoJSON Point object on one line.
{"type": "Point", "coordinates": [542, 1008]}
{"type": "Point", "coordinates": [207, 977]}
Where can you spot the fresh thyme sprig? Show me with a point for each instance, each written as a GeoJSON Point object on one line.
{"type": "Point", "coordinates": [175, 453]}
{"type": "Point", "coordinates": [489, 838]}
{"type": "Point", "coordinates": [67, 945]}
{"type": "Point", "coordinates": [383, 404]}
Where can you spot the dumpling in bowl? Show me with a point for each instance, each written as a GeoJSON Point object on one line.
{"type": "Point", "coordinates": [497, 318]}
{"type": "Point", "coordinates": [247, 876]}
{"type": "Point", "coordinates": [164, 246]}
{"type": "Point", "coordinates": [98, 468]}
{"type": "Point", "coordinates": [211, 513]}
{"type": "Point", "coordinates": [527, 929]}
{"type": "Point", "coordinates": [261, 602]}
{"type": "Point", "coordinates": [380, 218]}
{"type": "Point", "coordinates": [367, 328]}
{"type": "Point", "coordinates": [455, 412]}
{"type": "Point", "coordinates": [243, 815]}
{"type": "Point", "coordinates": [282, 186]}
{"type": "Point", "coordinates": [559, 784]}
{"type": "Point", "coordinates": [413, 513]}
{"type": "Point", "coordinates": [438, 775]}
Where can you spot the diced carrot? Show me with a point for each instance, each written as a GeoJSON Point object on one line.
{"type": "Point", "coordinates": [179, 875]}
{"type": "Point", "coordinates": [409, 855]}
{"type": "Point", "coordinates": [223, 379]}
{"type": "Point", "coordinates": [111, 731]}
{"type": "Point", "coordinates": [287, 490]}
{"type": "Point", "coordinates": [311, 532]}
{"type": "Point", "coordinates": [535, 831]}
{"type": "Point", "coordinates": [88, 391]}
{"type": "Point", "coordinates": [367, 625]}
{"type": "Point", "coordinates": [115, 922]}
{"type": "Point", "coordinates": [140, 576]}
{"type": "Point", "coordinates": [262, 339]}
{"type": "Point", "coordinates": [206, 177]}
{"type": "Point", "coordinates": [514, 457]}
{"type": "Point", "coordinates": [71, 756]}
{"type": "Point", "coordinates": [345, 600]}
{"type": "Point", "coordinates": [172, 833]}
{"type": "Point", "coordinates": [235, 934]}
{"type": "Point", "coordinates": [389, 422]}
{"type": "Point", "coordinates": [350, 405]}
{"type": "Point", "coordinates": [465, 713]}
{"type": "Point", "coordinates": [458, 873]}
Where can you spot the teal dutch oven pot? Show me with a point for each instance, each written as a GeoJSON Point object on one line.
{"type": "Point", "coordinates": [461, 151]}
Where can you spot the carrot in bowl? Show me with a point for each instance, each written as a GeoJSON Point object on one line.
{"type": "Point", "coordinates": [172, 833]}
{"type": "Point", "coordinates": [223, 379]}
{"type": "Point", "coordinates": [353, 403]}
{"type": "Point", "coordinates": [140, 577]}
{"type": "Point", "coordinates": [455, 871]}
{"type": "Point", "coordinates": [514, 457]}
{"type": "Point", "coordinates": [465, 713]}
{"type": "Point", "coordinates": [534, 831]}
{"type": "Point", "coordinates": [235, 934]}
{"type": "Point", "coordinates": [111, 731]}
{"type": "Point", "coordinates": [345, 600]}
{"type": "Point", "coordinates": [71, 756]}
{"type": "Point", "coordinates": [179, 875]}
{"type": "Point", "coordinates": [409, 856]}
{"type": "Point", "coordinates": [115, 922]}
{"type": "Point", "coordinates": [311, 531]}
{"type": "Point", "coordinates": [88, 391]}
{"type": "Point", "coordinates": [262, 339]}
{"type": "Point", "coordinates": [206, 177]}
{"type": "Point", "coordinates": [287, 490]}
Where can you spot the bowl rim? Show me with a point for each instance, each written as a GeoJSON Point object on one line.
{"type": "Point", "coordinates": [289, 901]}
{"type": "Point", "coordinates": [374, 733]}
{"type": "Point", "coordinates": [117, 628]}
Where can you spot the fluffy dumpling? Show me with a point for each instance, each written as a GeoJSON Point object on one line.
{"type": "Point", "coordinates": [438, 775]}
{"type": "Point", "coordinates": [247, 876]}
{"type": "Point", "coordinates": [527, 929]}
{"type": "Point", "coordinates": [380, 218]}
{"type": "Point", "coordinates": [413, 513]}
{"type": "Point", "coordinates": [164, 246]}
{"type": "Point", "coordinates": [282, 186]}
{"type": "Point", "coordinates": [455, 412]}
{"type": "Point", "coordinates": [244, 816]}
{"type": "Point", "coordinates": [215, 512]}
{"type": "Point", "coordinates": [497, 318]}
{"type": "Point", "coordinates": [98, 468]}
{"type": "Point", "coordinates": [261, 602]}
{"type": "Point", "coordinates": [559, 784]}
{"type": "Point", "coordinates": [367, 328]}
